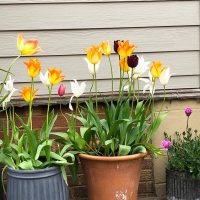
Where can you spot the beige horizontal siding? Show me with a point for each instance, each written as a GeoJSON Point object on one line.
{"type": "Point", "coordinates": [74, 1]}
{"type": "Point", "coordinates": [101, 15]}
{"type": "Point", "coordinates": [74, 41]}
{"type": "Point", "coordinates": [74, 67]}
{"type": "Point", "coordinates": [105, 85]}
{"type": "Point", "coordinates": [163, 30]}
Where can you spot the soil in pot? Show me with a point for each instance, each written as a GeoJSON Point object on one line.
{"type": "Point", "coordinates": [112, 178]}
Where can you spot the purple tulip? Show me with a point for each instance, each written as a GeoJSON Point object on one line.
{"type": "Point", "coordinates": [132, 61]}
{"type": "Point", "coordinates": [61, 90]}
{"type": "Point", "coordinates": [188, 111]}
{"type": "Point", "coordinates": [166, 144]}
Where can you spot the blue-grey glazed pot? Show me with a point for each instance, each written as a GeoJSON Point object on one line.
{"type": "Point", "coordinates": [43, 184]}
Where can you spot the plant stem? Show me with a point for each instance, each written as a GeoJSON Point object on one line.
{"type": "Point", "coordinates": [7, 122]}
{"type": "Point", "coordinates": [30, 104]}
{"type": "Point", "coordinates": [49, 99]}
{"type": "Point", "coordinates": [95, 76]}
{"type": "Point", "coordinates": [187, 123]}
{"type": "Point", "coordinates": [111, 70]}
{"type": "Point", "coordinates": [10, 67]}
{"type": "Point", "coordinates": [63, 113]}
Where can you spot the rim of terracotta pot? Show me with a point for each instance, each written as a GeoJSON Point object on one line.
{"type": "Point", "coordinates": [113, 158]}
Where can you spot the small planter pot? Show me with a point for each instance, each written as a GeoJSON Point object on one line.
{"type": "Point", "coordinates": [180, 186]}
{"type": "Point", "coordinates": [43, 184]}
{"type": "Point", "coordinates": [112, 178]}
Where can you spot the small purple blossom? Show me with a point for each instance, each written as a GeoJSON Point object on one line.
{"type": "Point", "coordinates": [166, 144]}
{"type": "Point", "coordinates": [188, 111]}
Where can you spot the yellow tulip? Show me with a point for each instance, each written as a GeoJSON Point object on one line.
{"type": "Point", "coordinates": [125, 49]}
{"type": "Point", "coordinates": [28, 47]}
{"type": "Point", "coordinates": [55, 76]}
{"type": "Point", "coordinates": [156, 69]}
{"type": "Point", "coordinates": [27, 94]}
{"type": "Point", "coordinates": [94, 54]}
{"type": "Point", "coordinates": [107, 49]}
{"type": "Point", "coordinates": [34, 67]}
{"type": "Point", "coordinates": [124, 65]}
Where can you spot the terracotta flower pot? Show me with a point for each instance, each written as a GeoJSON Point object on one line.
{"type": "Point", "coordinates": [112, 178]}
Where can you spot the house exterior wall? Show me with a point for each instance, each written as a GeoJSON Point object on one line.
{"type": "Point", "coordinates": [166, 30]}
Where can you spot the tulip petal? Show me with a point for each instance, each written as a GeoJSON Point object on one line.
{"type": "Point", "coordinates": [70, 103]}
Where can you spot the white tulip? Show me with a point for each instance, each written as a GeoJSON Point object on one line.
{"type": "Point", "coordinates": [45, 78]}
{"type": "Point", "coordinates": [77, 91]}
{"type": "Point", "coordinates": [9, 88]}
{"type": "Point", "coordinates": [140, 69]}
{"type": "Point", "coordinates": [149, 84]}
{"type": "Point", "coordinates": [91, 67]}
{"type": "Point", "coordinates": [165, 76]}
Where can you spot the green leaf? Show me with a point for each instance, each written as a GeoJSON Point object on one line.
{"type": "Point", "coordinates": [139, 149]}
{"type": "Point", "coordinates": [64, 174]}
{"type": "Point", "coordinates": [26, 165]}
{"type": "Point", "coordinates": [5, 134]}
{"type": "Point", "coordinates": [124, 150]}
{"type": "Point", "coordinates": [7, 160]}
{"type": "Point", "coordinates": [155, 125]}
{"type": "Point", "coordinates": [67, 146]}
{"type": "Point", "coordinates": [61, 134]}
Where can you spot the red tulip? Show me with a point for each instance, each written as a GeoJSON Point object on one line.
{"type": "Point", "coordinates": [61, 90]}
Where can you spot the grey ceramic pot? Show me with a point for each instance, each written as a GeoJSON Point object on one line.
{"type": "Point", "coordinates": [43, 184]}
{"type": "Point", "coordinates": [180, 186]}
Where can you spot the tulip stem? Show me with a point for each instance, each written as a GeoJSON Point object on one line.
{"type": "Point", "coordinates": [7, 122]}
{"type": "Point", "coordinates": [111, 70]}
{"type": "Point", "coordinates": [8, 71]}
{"type": "Point", "coordinates": [30, 104]}
{"type": "Point", "coordinates": [49, 99]}
{"type": "Point", "coordinates": [95, 76]}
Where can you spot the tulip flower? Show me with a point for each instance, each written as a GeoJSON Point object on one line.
{"type": "Point", "coordinates": [27, 94]}
{"type": "Point", "coordinates": [132, 61]}
{"type": "Point", "coordinates": [91, 67]}
{"type": "Point", "coordinates": [77, 91]}
{"type": "Point", "coordinates": [188, 112]}
{"type": "Point", "coordinates": [54, 76]}
{"type": "Point", "coordinates": [94, 54]}
{"type": "Point", "coordinates": [9, 88]}
{"type": "Point", "coordinates": [125, 49]}
{"type": "Point", "coordinates": [124, 65]}
{"type": "Point", "coordinates": [165, 76]}
{"type": "Point", "coordinates": [116, 45]}
{"type": "Point", "coordinates": [156, 69]}
{"type": "Point", "coordinates": [61, 90]}
{"type": "Point", "coordinates": [34, 67]}
{"type": "Point", "coordinates": [45, 78]}
{"type": "Point", "coordinates": [28, 47]}
{"type": "Point", "coordinates": [107, 49]}
{"type": "Point", "coordinates": [150, 84]}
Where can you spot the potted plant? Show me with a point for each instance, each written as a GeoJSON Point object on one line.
{"type": "Point", "coordinates": [33, 168]}
{"type": "Point", "coordinates": [183, 172]}
{"type": "Point", "coordinates": [112, 147]}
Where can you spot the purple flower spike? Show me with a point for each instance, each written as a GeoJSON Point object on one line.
{"type": "Point", "coordinates": [166, 144]}
{"type": "Point", "coordinates": [188, 111]}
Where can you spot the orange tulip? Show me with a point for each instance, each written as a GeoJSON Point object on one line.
{"type": "Point", "coordinates": [94, 54]}
{"type": "Point", "coordinates": [124, 65]}
{"type": "Point", "coordinates": [156, 69]}
{"type": "Point", "coordinates": [27, 94]}
{"type": "Point", "coordinates": [33, 67]}
{"type": "Point", "coordinates": [107, 49]}
{"type": "Point", "coordinates": [54, 76]}
{"type": "Point", "coordinates": [125, 49]}
{"type": "Point", "coordinates": [28, 47]}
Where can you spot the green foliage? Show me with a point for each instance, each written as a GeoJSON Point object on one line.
{"type": "Point", "coordinates": [121, 132]}
{"type": "Point", "coordinates": [24, 150]}
{"type": "Point", "coordinates": [184, 154]}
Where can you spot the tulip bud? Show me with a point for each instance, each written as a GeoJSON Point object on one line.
{"type": "Point", "coordinates": [116, 45]}
{"type": "Point", "coordinates": [61, 90]}
{"type": "Point", "coordinates": [132, 61]}
{"type": "Point", "coordinates": [188, 111]}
